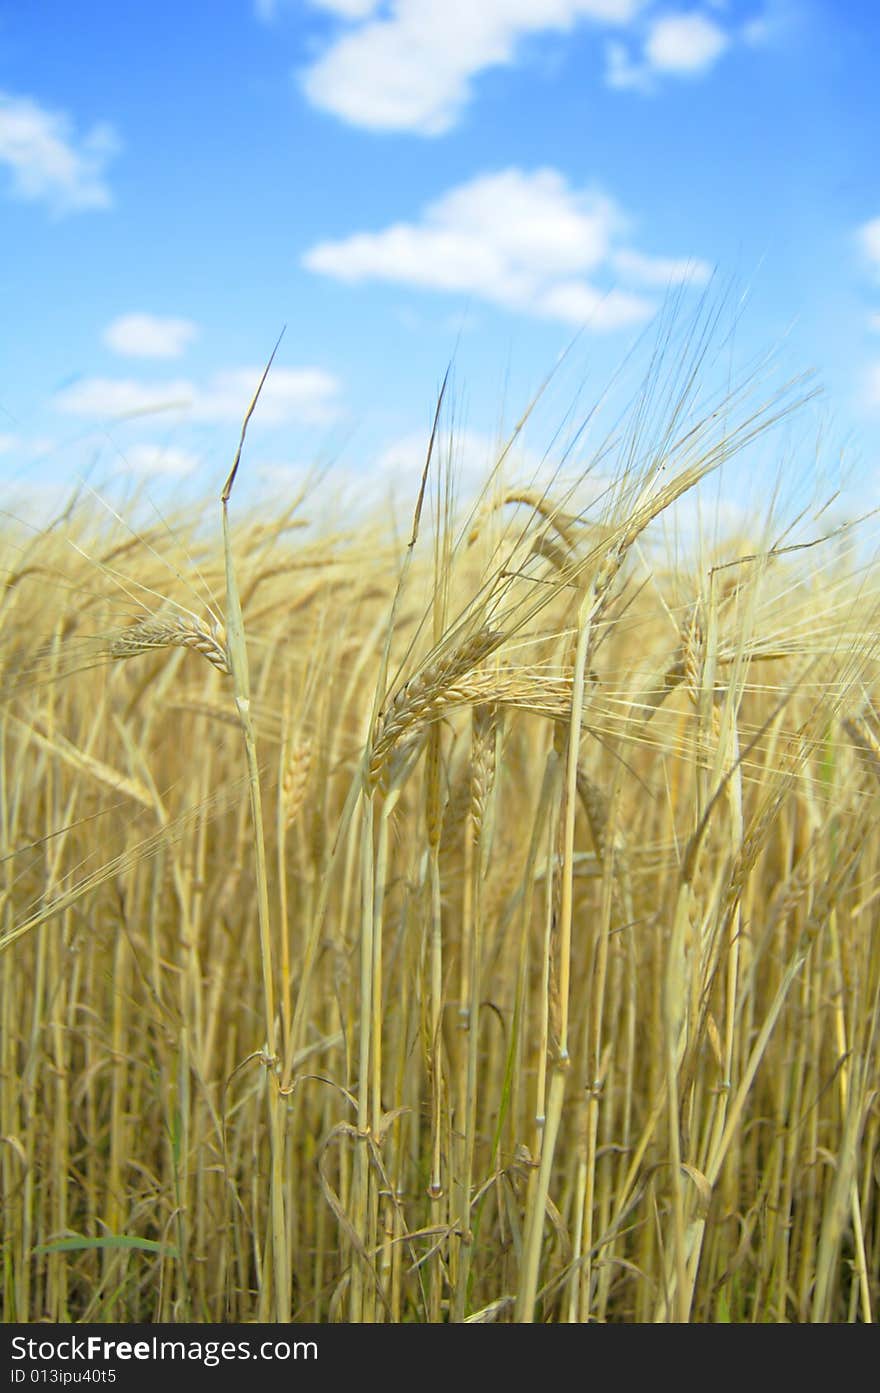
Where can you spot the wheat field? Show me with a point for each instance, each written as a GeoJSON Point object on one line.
{"type": "Point", "coordinates": [469, 921]}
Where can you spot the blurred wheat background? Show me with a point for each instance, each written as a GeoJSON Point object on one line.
{"type": "Point", "coordinates": [472, 922]}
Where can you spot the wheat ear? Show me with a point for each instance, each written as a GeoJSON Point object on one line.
{"type": "Point", "coordinates": [172, 631]}
{"type": "Point", "coordinates": [426, 695]}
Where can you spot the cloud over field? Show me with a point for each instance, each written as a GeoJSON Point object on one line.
{"type": "Point", "coordinates": [527, 241]}
{"type": "Point", "coordinates": [412, 67]}
{"type": "Point", "coordinates": [307, 395]}
{"type": "Point", "coordinates": [869, 242]}
{"type": "Point", "coordinates": [149, 336]}
{"type": "Point", "coordinates": [683, 45]}
{"type": "Point", "coordinates": [147, 458]}
{"type": "Point", "coordinates": [48, 162]}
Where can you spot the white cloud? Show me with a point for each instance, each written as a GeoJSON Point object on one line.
{"type": "Point", "coordinates": [869, 241]}
{"type": "Point", "coordinates": [349, 9]}
{"type": "Point", "coordinates": [309, 395]}
{"type": "Point", "coordinates": [159, 459]}
{"type": "Point", "coordinates": [48, 163]}
{"type": "Point", "coordinates": [34, 504]}
{"type": "Point", "coordinates": [871, 391]}
{"type": "Point", "coordinates": [147, 336]}
{"type": "Point", "coordinates": [700, 515]}
{"type": "Point", "coordinates": [660, 270]}
{"type": "Point", "coordinates": [32, 448]}
{"type": "Point", "coordinates": [757, 31]}
{"type": "Point", "coordinates": [280, 475]}
{"type": "Point", "coordinates": [397, 468]}
{"type": "Point", "coordinates": [101, 397]}
{"type": "Point", "coordinates": [412, 70]}
{"type": "Point", "coordinates": [621, 72]}
{"type": "Point", "coordinates": [775, 23]}
{"type": "Point", "coordinates": [527, 241]}
{"type": "Point", "coordinates": [472, 454]}
{"type": "Point", "coordinates": [267, 10]}
{"type": "Point", "coordinates": [675, 45]}
{"type": "Point", "coordinates": [684, 44]}
{"type": "Point", "coordinates": [576, 302]}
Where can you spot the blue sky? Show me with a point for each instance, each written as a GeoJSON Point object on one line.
{"type": "Point", "coordinates": [398, 181]}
